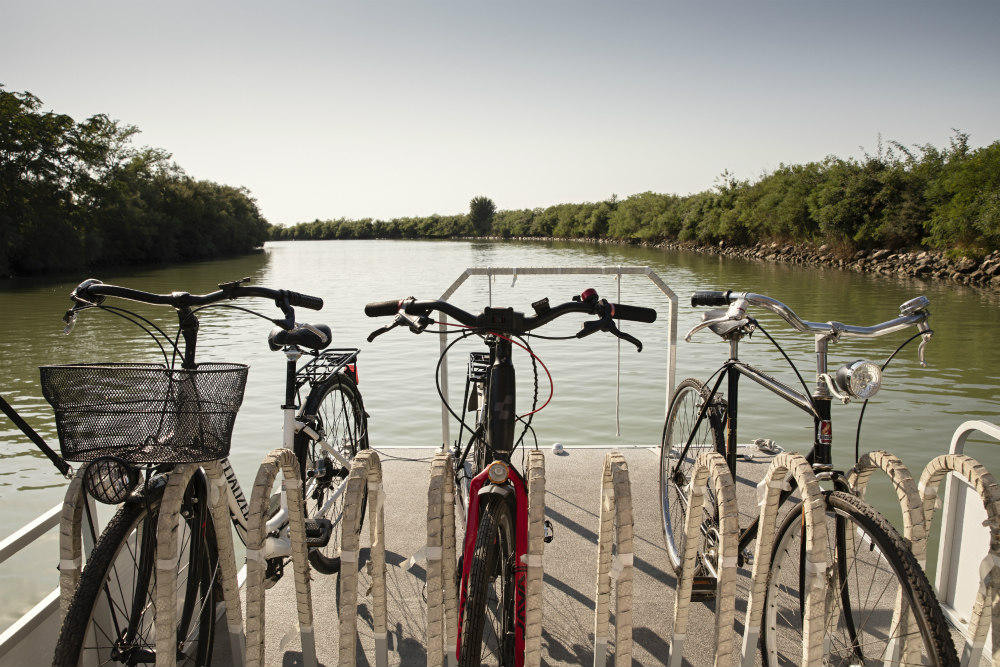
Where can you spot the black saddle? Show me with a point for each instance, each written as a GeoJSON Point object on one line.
{"type": "Point", "coordinates": [312, 336]}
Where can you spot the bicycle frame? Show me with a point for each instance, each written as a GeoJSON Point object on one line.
{"type": "Point", "coordinates": [818, 406]}
{"type": "Point", "coordinates": [499, 424]}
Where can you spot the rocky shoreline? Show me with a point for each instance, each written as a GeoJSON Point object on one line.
{"type": "Point", "coordinates": [917, 264]}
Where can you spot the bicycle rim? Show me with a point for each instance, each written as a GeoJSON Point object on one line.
{"type": "Point", "coordinates": [879, 606]}
{"type": "Point", "coordinates": [488, 616]}
{"type": "Point", "coordinates": [340, 421]}
{"type": "Point", "coordinates": [111, 617]}
{"type": "Point", "coordinates": [675, 471]}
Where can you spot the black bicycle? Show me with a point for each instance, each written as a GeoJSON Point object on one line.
{"type": "Point", "coordinates": [491, 490]}
{"type": "Point", "coordinates": [131, 424]}
{"type": "Point", "coordinates": [874, 585]}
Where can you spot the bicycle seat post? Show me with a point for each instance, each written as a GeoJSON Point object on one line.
{"type": "Point", "coordinates": [822, 400]}
{"type": "Point", "coordinates": [292, 354]}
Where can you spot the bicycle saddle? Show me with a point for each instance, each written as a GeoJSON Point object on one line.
{"type": "Point", "coordinates": [312, 336]}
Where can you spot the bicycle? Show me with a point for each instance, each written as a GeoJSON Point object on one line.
{"type": "Point", "coordinates": [131, 424]}
{"type": "Point", "coordinates": [491, 490]}
{"type": "Point", "coordinates": [868, 563]}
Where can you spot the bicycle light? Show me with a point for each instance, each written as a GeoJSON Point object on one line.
{"type": "Point", "coordinates": [110, 480]}
{"type": "Point", "coordinates": [861, 379]}
{"type": "Point", "coordinates": [498, 472]}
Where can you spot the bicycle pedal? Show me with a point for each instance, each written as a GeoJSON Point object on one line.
{"type": "Point", "coordinates": [318, 532]}
{"type": "Point", "coordinates": [703, 588]}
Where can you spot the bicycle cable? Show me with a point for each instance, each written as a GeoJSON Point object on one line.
{"type": "Point", "coordinates": [864, 406]}
{"type": "Point", "coordinates": [134, 318]}
{"type": "Point", "coordinates": [775, 343]}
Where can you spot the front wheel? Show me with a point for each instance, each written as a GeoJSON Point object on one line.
{"type": "Point", "coordinates": [488, 608]}
{"type": "Point", "coordinates": [110, 620]}
{"type": "Point", "coordinates": [676, 464]}
{"type": "Point", "coordinates": [880, 608]}
{"type": "Point", "coordinates": [338, 415]}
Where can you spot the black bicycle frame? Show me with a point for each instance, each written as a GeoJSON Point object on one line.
{"type": "Point", "coordinates": [821, 455]}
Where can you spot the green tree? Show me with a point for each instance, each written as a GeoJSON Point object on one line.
{"type": "Point", "coordinates": [481, 213]}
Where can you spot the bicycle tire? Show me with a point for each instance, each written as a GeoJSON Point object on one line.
{"type": "Point", "coordinates": [675, 472]}
{"type": "Point", "coordinates": [336, 410]}
{"type": "Point", "coordinates": [869, 566]}
{"type": "Point", "coordinates": [97, 634]}
{"type": "Point", "coordinates": [490, 591]}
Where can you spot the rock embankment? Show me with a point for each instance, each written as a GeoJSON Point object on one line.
{"type": "Point", "coordinates": [917, 263]}
{"type": "Point", "coordinates": [923, 263]}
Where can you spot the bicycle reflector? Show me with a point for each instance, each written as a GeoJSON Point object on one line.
{"type": "Point", "coordinates": [861, 379]}
{"type": "Point", "coordinates": [498, 472]}
{"type": "Point", "coordinates": [110, 480]}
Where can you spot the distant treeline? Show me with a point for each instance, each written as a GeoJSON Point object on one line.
{"type": "Point", "coordinates": [900, 197]}
{"type": "Point", "coordinates": [79, 194]}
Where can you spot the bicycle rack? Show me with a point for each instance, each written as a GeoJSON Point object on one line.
{"type": "Point", "coordinates": [533, 559]}
{"type": "Point", "coordinates": [914, 529]}
{"type": "Point", "coordinates": [616, 512]}
{"type": "Point", "coordinates": [70, 542]}
{"type": "Point", "coordinates": [986, 609]}
{"type": "Point", "coordinates": [709, 466]}
{"type": "Point", "coordinates": [282, 460]}
{"type": "Point", "coordinates": [783, 465]}
{"type": "Point", "coordinates": [914, 526]}
{"type": "Point", "coordinates": [442, 593]}
{"type": "Point", "coordinates": [366, 472]}
{"type": "Point", "coordinates": [167, 556]}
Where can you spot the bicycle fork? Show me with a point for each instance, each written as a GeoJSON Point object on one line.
{"type": "Point", "coordinates": [481, 489]}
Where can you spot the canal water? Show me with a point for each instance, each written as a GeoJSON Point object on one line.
{"type": "Point", "coordinates": [604, 393]}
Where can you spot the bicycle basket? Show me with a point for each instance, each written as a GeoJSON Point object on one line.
{"type": "Point", "coordinates": [144, 413]}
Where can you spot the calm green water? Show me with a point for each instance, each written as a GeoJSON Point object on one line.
{"type": "Point", "coordinates": [914, 415]}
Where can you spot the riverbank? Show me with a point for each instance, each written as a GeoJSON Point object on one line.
{"type": "Point", "coordinates": [920, 263]}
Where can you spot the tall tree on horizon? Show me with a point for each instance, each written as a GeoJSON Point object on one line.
{"type": "Point", "coordinates": [481, 212]}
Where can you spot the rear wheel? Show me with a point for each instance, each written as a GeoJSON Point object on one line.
{"type": "Point", "coordinates": [880, 608]}
{"type": "Point", "coordinates": [488, 608]}
{"type": "Point", "coordinates": [338, 415]}
{"type": "Point", "coordinates": [676, 469]}
{"type": "Point", "coordinates": [110, 620]}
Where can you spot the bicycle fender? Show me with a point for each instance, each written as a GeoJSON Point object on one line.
{"type": "Point", "coordinates": [505, 491]}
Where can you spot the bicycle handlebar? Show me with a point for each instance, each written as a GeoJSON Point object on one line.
{"type": "Point", "coordinates": [913, 312]}
{"type": "Point", "coordinates": [91, 291]}
{"type": "Point", "coordinates": [509, 321]}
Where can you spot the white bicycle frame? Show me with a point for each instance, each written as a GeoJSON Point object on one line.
{"type": "Point", "coordinates": [279, 543]}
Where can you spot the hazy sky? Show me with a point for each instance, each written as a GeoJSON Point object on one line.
{"type": "Point", "coordinates": [384, 109]}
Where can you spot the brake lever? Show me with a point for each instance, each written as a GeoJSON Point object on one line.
{"type": "Point", "coordinates": [607, 324]}
{"type": "Point", "coordinates": [378, 332]}
{"type": "Point", "coordinates": [614, 330]}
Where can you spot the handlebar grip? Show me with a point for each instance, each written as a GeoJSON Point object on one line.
{"type": "Point", "coordinates": [305, 301]}
{"type": "Point", "coordinates": [711, 298]}
{"type": "Point", "coordinates": [635, 313]}
{"type": "Point", "coordinates": [382, 308]}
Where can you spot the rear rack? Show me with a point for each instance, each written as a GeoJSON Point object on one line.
{"type": "Point", "coordinates": [479, 363]}
{"type": "Point", "coordinates": [328, 364]}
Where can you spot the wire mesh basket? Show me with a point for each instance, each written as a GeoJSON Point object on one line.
{"type": "Point", "coordinates": [145, 413]}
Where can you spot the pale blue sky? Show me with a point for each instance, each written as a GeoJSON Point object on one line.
{"type": "Point", "coordinates": [385, 109]}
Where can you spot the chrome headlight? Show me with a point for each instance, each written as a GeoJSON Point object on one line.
{"type": "Point", "coordinates": [861, 379]}
{"type": "Point", "coordinates": [110, 480]}
{"type": "Point", "coordinates": [498, 472]}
